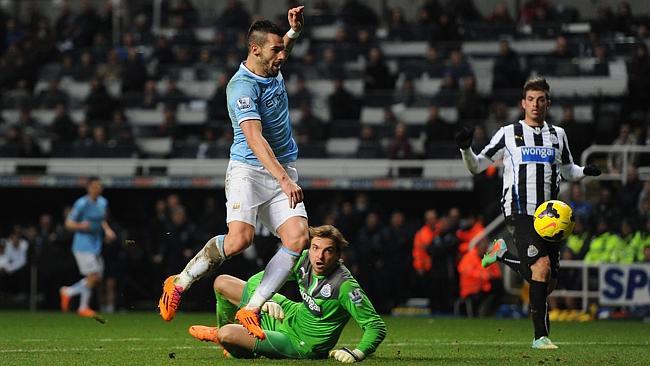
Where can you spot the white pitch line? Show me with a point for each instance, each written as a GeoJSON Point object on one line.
{"type": "Point", "coordinates": [35, 340]}
{"type": "Point", "coordinates": [87, 349]}
{"type": "Point", "coordinates": [513, 343]}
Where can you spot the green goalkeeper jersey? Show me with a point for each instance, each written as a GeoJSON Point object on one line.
{"type": "Point", "coordinates": [328, 302]}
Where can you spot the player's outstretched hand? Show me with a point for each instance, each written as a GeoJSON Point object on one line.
{"type": "Point", "coordinates": [273, 309]}
{"type": "Point", "coordinates": [591, 170]}
{"type": "Point", "coordinates": [464, 136]}
{"type": "Point", "coordinates": [347, 355]}
{"type": "Point", "coordinates": [293, 192]}
{"type": "Point", "coordinates": [296, 19]}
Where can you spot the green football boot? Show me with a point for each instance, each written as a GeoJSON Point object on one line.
{"type": "Point", "coordinates": [495, 251]}
{"type": "Point", "coordinates": [543, 343]}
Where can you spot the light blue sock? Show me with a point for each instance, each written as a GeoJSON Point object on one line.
{"type": "Point", "coordinates": [275, 274]}
{"type": "Point", "coordinates": [77, 288]}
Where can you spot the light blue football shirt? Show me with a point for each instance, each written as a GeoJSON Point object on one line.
{"type": "Point", "coordinates": [85, 209]}
{"type": "Point", "coordinates": [251, 96]}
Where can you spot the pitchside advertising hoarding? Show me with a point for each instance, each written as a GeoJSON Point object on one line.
{"type": "Point", "coordinates": [624, 284]}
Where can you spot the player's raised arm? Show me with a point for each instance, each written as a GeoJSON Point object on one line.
{"type": "Point", "coordinates": [297, 22]}
{"type": "Point", "coordinates": [571, 171]}
{"type": "Point", "coordinates": [478, 163]}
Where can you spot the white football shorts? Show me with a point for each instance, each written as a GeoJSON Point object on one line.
{"type": "Point", "coordinates": [89, 263]}
{"type": "Point", "coordinates": [251, 192]}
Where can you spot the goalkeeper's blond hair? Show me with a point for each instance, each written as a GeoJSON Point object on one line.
{"type": "Point", "coordinates": [329, 232]}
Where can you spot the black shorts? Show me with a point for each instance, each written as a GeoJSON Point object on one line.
{"type": "Point", "coordinates": [531, 246]}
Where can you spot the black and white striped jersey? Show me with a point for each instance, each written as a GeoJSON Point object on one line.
{"type": "Point", "coordinates": [534, 159]}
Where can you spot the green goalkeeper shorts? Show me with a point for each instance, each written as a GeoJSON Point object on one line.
{"type": "Point", "coordinates": [278, 344]}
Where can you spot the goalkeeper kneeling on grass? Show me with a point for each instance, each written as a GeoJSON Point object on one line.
{"type": "Point", "coordinates": [303, 330]}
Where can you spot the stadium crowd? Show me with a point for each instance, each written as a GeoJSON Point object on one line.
{"type": "Point", "coordinates": [425, 257]}
{"type": "Point", "coordinates": [70, 90]}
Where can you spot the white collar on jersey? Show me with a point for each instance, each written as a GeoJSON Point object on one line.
{"type": "Point", "coordinates": [242, 66]}
{"type": "Point", "coordinates": [536, 130]}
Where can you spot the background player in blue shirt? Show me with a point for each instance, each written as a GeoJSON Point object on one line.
{"type": "Point", "coordinates": [88, 221]}
{"type": "Point", "coordinates": [261, 179]}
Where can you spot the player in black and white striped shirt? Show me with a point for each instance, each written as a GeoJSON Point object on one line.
{"type": "Point", "coordinates": [536, 157]}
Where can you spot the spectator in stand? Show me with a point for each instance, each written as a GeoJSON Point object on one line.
{"type": "Point", "coordinates": [446, 30]}
{"type": "Point", "coordinates": [53, 95]}
{"type": "Point", "coordinates": [163, 56]}
{"type": "Point", "coordinates": [482, 287]}
{"type": "Point", "coordinates": [434, 64]}
{"type": "Point", "coordinates": [457, 67]}
{"type": "Point", "coordinates": [169, 126]}
{"type": "Point", "coordinates": [83, 141]}
{"type": "Point", "coordinates": [471, 105]}
{"type": "Point", "coordinates": [99, 103]}
{"type": "Point", "coordinates": [581, 207]}
{"type": "Point", "coordinates": [217, 107]}
{"type": "Point", "coordinates": [500, 15]}
{"type": "Point", "coordinates": [28, 124]}
{"type": "Point", "coordinates": [186, 11]}
{"type": "Point", "coordinates": [624, 21]}
{"type": "Point", "coordinates": [369, 146]}
{"type": "Point", "coordinates": [311, 128]}
{"type": "Point", "coordinates": [396, 257]}
{"type": "Point", "coordinates": [64, 22]}
{"type": "Point", "coordinates": [469, 228]}
{"type": "Point", "coordinates": [134, 74]}
{"type": "Point", "coordinates": [177, 246]}
{"type": "Point", "coordinates": [601, 61]}
{"type": "Point", "coordinates": [111, 70]}
{"type": "Point", "coordinates": [329, 66]}
{"type": "Point", "coordinates": [150, 96]}
{"type": "Point", "coordinates": [205, 67]}
{"type": "Point", "coordinates": [301, 95]}
{"type": "Point", "coordinates": [355, 13]}
{"type": "Point", "coordinates": [638, 80]}
{"type": "Point", "coordinates": [14, 273]}
{"type": "Point", "coordinates": [506, 70]}
{"type": "Point", "coordinates": [497, 118]}
{"type": "Point", "coordinates": [63, 127]}
{"type": "Point", "coordinates": [85, 70]}
{"type": "Point", "coordinates": [99, 146]}
{"type": "Point", "coordinates": [420, 253]}
{"type": "Point", "coordinates": [398, 27]}
{"type": "Point", "coordinates": [368, 249]}
{"type": "Point", "coordinates": [29, 148]}
{"type": "Point", "coordinates": [234, 16]}
{"type": "Point", "coordinates": [444, 275]}
{"type": "Point", "coordinates": [625, 137]}
{"type": "Point", "coordinates": [173, 96]}
{"type": "Point", "coordinates": [630, 192]}
{"type": "Point", "coordinates": [437, 131]}
{"type": "Point", "coordinates": [399, 146]}
{"type": "Point", "coordinates": [606, 209]}
{"type": "Point", "coordinates": [18, 97]}
{"type": "Point", "coordinates": [379, 82]}
{"type": "Point", "coordinates": [579, 132]}
{"type": "Point", "coordinates": [406, 95]}
{"type": "Point", "coordinates": [343, 105]}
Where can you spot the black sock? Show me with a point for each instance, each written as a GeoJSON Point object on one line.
{"type": "Point", "coordinates": [511, 261]}
{"type": "Point", "coordinates": [538, 308]}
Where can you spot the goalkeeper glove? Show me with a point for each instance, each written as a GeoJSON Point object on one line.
{"type": "Point", "coordinates": [273, 309]}
{"type": "Point", "coordinates": [464, 137]}
{"type": "Point", "coordinates": [347, 355]}
{"type": "Point", "coordinates": [591, 170]}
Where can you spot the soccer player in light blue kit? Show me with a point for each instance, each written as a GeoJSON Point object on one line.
{"type": "Point", "coordinates": [88, 221]}
{"type": "Point", "coordinates": [261, 178]}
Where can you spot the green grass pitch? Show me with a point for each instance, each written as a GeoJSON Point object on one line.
{"type": "Point", "coordinates": [50, 338]}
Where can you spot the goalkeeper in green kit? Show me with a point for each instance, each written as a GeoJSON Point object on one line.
{"type": "Point", "coordinates": [303, 330]}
